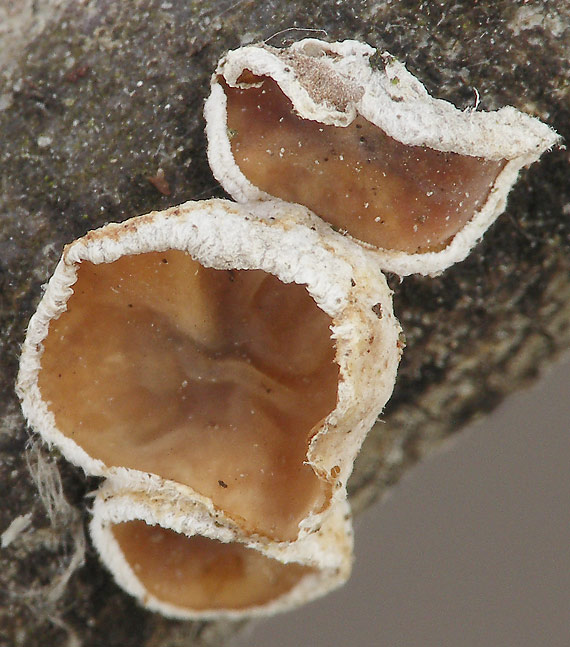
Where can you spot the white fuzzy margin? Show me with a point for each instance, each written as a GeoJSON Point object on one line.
{"type": "Point", "coordinates": [329, 550]}
{"type": "Point", "coordinates": [395, 101]}
{"type": "Point", "coordinates": [287, 241]}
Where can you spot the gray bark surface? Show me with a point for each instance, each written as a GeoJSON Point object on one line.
{"type": "Point", "coordinates": [96, 96]}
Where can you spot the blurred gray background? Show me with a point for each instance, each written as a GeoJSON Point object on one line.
{"type": "Point", "coordinates": [472, 549]}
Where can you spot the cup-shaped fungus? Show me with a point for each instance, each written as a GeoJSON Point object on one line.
{"type": "Point", "coordinates": [159, 553]}
{"type": "Point", "coordinates": [238, 353]}
{"type": "Point", "coordinates": [368, 150]}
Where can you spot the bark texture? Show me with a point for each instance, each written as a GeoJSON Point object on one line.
{"type": "Point", "coordinates": [96, 96]}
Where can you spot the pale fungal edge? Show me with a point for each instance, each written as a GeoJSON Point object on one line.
{"type": "Point", "coordinates": [402, 109]}
{"type": "Point", "coordinates": [329, 551]}
{"type": "Point", "coordinates": [287, 241]}
{"type": "Point", "coordinates": [392, 99]}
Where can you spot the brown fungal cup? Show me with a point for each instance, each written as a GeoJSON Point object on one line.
{"type": "Point", "coordinates": [233, 353]}
{"type": "Point", "coordinates": [367, 150]}
{"type": "Point", "coordinates": [158, 555]}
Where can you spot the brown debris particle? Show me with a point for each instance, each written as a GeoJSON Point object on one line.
{"type": "Point", "coordinates": [377, 310]}
{"type": "Point", "coordinates": [222, 484]}
{"type": "Point", "coordinates": [159, 182]}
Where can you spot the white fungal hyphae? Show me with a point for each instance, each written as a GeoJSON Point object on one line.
{"type": "Point", "coordinates": [232, 355]}
{"type": "Point", "coordinates": [368, 150]}
{"type": "Point", "coordinates": [176, 562]}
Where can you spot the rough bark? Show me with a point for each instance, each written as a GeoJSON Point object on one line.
{"type": "Point", "coordinates": [97, 95]}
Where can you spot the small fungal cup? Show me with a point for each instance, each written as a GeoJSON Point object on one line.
{"type": "Point", "coordinates": [367, 149]}
{"type": "Point", "coordinates": [173, 564]}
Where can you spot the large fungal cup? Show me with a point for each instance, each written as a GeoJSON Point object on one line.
{"type": "Point", "coordinates": [211, 378]}
{"type": "Point", "coordinates": [235, 355]}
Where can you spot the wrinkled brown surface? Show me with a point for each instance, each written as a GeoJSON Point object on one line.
{"type": "Point", "coordinates": [197, 573]}
{"type": "Point", "coordinates": [211, 378]}
{"type": "Point", "coordinates": [408, 198]}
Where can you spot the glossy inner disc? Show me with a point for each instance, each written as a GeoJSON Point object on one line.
{"type": "Point", "coordinates": [200, 574]}
{"type": "Point", "coordinates": [393, 196]}
{"type": "Point", "coordinates": [216, 379]}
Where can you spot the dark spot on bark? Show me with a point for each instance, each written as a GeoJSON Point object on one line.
{"type": "Point", "coordinates": [76, 73]}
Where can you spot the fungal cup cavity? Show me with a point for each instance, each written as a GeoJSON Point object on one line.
{"type": "Point", "coordinates": [215, 379]}
{"type": "Point", "coordinates": [411, 199]}
{"type": "Point", "coordinates": [203, 574]}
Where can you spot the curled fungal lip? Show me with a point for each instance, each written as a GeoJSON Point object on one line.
{"type": "Point", "coordinates": [174, 563]}
{"type": "Point", "coordinates": [368, 150]}
{"type": "Point", "coordinates": [235, 354]}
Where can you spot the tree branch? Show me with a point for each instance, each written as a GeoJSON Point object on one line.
{"type": "Point", "coordinates": [96, 99]}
